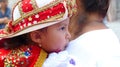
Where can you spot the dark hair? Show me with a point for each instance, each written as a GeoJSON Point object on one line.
{"type": "Point", "coordinates": [17, 41]}
{"type": "Point", "coordinates": [100, 6]}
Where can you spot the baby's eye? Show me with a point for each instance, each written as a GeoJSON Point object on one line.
{"type": "Point", "coordinates": [62, 28]}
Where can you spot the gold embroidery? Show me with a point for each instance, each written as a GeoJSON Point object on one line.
{"type": "Point", "coordinates": [19, 57]}
{"type": "Point", "coordinates": [34, 4]}
{"type": "Point", "coordinates": [43, 21]}
{"type": "Point", "coordinates": [30, 19]}
{"type": "Point", "coordinates": [14, 57]}
{"type": "Point", "coordinates": [20, 9]}
{"type": "Point", "coordinates": [41, 59]}
{"type": "Point", "coordinates": [36, 11]}
{"type": "Point", "coordinates": [72, 7]}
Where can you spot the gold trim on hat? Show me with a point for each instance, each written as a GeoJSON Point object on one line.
{"type": "Point", "coordinates": [20, 9]}
{"type": "Point", "coordinates": [35, 11]}
{"type": "Point", "coordinates": [34, 5]}
{"type": "Point", "coordinates": [49, 20]}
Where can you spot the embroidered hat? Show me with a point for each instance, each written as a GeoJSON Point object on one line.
{"type": "Point", "coordinates": [30, 15]}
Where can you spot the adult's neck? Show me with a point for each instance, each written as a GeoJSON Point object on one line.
{"type": "Point", "coordinates": [92, 22]}
{"type": "Point", "coordinates": [94, 17]}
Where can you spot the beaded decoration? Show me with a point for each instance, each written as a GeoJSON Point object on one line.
{"type": "Point", "coordinates": [21, 57]}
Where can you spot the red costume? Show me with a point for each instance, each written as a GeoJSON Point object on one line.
{"type": "Point", "coordinates": [24, 56]}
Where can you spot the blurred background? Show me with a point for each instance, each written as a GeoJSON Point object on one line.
{"type": "Point", "coordinates": [112, 20]}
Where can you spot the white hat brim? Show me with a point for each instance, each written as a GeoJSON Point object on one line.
{"type": "Point", "coordinates": [32, 28]}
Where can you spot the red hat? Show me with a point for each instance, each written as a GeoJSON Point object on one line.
{"type": "Point", "coordinates": [31, 15]}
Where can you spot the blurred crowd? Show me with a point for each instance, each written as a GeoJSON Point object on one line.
{"type": "Point", "coordinates": [5, 13]}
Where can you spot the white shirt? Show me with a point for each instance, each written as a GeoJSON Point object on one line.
{"type": "Point", "coordinates": [61, 59]}
{"type": "Point", "coordinates": [98, 48]}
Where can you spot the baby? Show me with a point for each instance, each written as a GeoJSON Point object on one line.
{"type": "Point", "coordinates": [38, 28]}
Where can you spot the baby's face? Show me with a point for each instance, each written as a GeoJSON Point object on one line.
{"type": "Point", "coordinates": [56, 37]}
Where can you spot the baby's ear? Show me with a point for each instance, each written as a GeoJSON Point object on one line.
{"type": "Point", "coordinates": [35, 36]}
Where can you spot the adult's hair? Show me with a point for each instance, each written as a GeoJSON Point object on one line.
{"type": "Point", "coordinates": [99, 6]}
